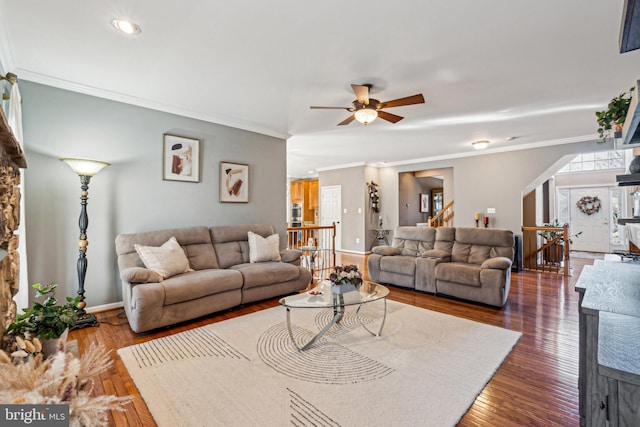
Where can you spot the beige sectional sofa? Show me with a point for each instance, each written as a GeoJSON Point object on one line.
{"type": "Point", "coordinates": [220, 274]}
{"type": "Point", "coordinates": [468, 263]}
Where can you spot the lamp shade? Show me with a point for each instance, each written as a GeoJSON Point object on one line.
{"type": "Point", "coordinates": [366, 115]}
{"type": "Point", "coordinates": [85, 167]}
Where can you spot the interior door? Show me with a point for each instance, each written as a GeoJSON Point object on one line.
{"type": "Point", "coordinates": [331, 210]}
{"type": "Point", "coordinates": [594, 227]}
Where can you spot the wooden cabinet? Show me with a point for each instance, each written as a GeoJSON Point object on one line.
{"type": "Point", "coordinates": [305, 192]}
{"type": "Point", "coordinates": [297, 191]}
{"type": "Point", "coordinates": [609, 344]}
{"type": "Point", "coordinates": [313, 195]}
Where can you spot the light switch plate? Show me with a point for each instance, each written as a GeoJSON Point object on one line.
{"type": "Point", "coordinates": [491, 210]}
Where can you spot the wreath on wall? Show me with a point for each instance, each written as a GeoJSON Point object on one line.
{"type": "Point", "coordinates": [589, 205]}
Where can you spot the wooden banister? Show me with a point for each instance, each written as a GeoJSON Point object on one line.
{"type": "Point", "coordinates": [444, 217]}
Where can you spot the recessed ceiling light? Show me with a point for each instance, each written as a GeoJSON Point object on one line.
{"type": "Point", "coordinates": [126, 26]}
{"type": "Point", "coordinates": [479, 145]}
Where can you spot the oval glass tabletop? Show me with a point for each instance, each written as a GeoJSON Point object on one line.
{"type": "Point", "coordinates": [322, 297]}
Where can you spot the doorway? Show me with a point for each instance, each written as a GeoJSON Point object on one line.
{"type": "Point", "coordinates": [331, 209]}
{"type": "Point", "coordinates": [597, 224]}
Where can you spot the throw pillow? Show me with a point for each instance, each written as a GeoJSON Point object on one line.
{"type": "Point", "coordinates": [263, 249]}
{"type": "Point", "coordinates": [166, 260]}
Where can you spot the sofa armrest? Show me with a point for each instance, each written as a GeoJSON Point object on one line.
{"type": "Point", "coordinates": [497, 263]}
{"type": "Point", "coordinates": [386, 250]}
{"type": "Point", "coordinates": [140, 275]}
{"type": "Point", "coordinates": [290, 255]}
{"type": "Point", "coordinates": [436, 253]}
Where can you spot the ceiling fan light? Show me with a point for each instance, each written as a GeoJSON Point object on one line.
{"type": "Point", "coordinates": [366, 115]}
{"type": "Point", "coordinates": [480, 145]}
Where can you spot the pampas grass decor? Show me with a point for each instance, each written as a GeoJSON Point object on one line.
{"type": "Point", "coordinates": [60, 379]}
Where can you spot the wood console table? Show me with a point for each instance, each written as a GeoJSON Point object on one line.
{"type": "Point", "coordinates": [609, 346]}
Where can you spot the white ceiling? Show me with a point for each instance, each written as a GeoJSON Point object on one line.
{"type": "Point", "coordinates": [489, 69]}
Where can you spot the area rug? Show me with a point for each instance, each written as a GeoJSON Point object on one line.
{"type": "Point", "coordinates": [426, 369]}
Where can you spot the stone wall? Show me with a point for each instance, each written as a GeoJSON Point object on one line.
{"type": "Point", "coordinates": [11, 160]}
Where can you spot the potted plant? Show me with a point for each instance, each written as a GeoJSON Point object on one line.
{"type": "Point", "coordinates": [46, 320]}
{"type": "Point", "coordinates": [345, 279]}
{"type": "Point", "coordinates": [554, 254]}
{"type": "Point", "coordinates": [614, 115]}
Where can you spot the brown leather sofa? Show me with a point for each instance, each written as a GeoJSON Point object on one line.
{"type": "Point", "coordinates": [468, 263]}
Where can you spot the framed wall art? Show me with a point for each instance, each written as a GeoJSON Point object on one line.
{"type": "Point", "coordinates": [424, 202]}
{"type": "Point", "coordinates": [180, 159]}
{"type": "Point", "coordinates": [234, 182]}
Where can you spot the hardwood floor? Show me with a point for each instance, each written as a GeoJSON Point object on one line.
{"type": "Point", "coordinates": [535, 386]}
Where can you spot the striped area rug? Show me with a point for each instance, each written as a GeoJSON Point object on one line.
{"type": "Point", "coordinates": [425, 370]}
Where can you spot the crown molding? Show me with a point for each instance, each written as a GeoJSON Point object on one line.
{"type": "Point", "coordinates": [145, 103]}
{"type": "Point", "coordinates": [505, 149]}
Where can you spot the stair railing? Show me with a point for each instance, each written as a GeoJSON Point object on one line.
{"type": "Point", "coordinates": [444, 217]}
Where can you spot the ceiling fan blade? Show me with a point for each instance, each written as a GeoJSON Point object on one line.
{"type": "Point", "coordinates": [389, 117]}
{"type": "Point", "coordinates": [347, 120]}
{"type": "Point", "coordinates": [409, 100]}
{"type": "Point", "coordinates": [362, 93]}
{"type": "Point", "coordinates": [313, 107]}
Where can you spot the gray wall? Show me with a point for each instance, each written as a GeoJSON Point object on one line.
{"type": "Point", "coordinates": [353, 181]}
{"type": "Point", "coordinates": [498, 180]}
{"type": "Point", "coordinates": [129, 196]}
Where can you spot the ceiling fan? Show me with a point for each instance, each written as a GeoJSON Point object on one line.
{"type": "Point", "coordinates": [365, 109]}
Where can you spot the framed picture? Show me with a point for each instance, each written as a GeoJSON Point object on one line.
{"type": "Point", "coordinates": [424, 202]}
{"type": "Point", "coordinates": [181, 159]}
{"type": "Point", "coordinates": [234, 182]}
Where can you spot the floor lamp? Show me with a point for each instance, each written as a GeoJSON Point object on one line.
{"type": "Point", "coordinates": [85, 168]}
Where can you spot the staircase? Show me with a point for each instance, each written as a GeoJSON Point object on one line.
{"type": "Point", "coordinates": [444, 217]}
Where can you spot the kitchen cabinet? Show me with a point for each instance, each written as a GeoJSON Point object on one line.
{"type": "Point", "coordinates": [297, 191]}
{"type": "Point", "coordinates": [305, 193]}
{"type": "Point", "coordinates": [313, 195]}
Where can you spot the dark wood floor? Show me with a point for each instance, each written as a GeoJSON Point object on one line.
{"type": "Point", "coordinates": [535, 386]}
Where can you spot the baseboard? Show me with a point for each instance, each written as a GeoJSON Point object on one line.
{"type": "Point", "coordinates": [105, 307]}
{"type": "Point", "coordinates": [347, 251]}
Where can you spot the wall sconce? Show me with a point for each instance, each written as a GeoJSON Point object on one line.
{"type": "Point", "coordinates": [85, 168]}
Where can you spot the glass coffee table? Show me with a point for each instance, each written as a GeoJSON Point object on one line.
{"type": "Point", "coordinates": [322, 297]}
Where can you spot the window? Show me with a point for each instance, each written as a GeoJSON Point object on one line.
{"type": "Point", "coordinates": [604, 160]}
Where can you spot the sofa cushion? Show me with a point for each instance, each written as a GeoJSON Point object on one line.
{"type": "Point", "coordinates": [263, 249]}
{"type": "Point", "coordinates": [435, 253]}
{"type": "Point", "coordinates": [266, 273]}
{"type": "Point", "coordinates": [413, 240]}
{"type": "Point", "coordinates": [140, 275]}
{"type": "Point", "coordinates": [231, 242]}
{"type": "Point", "coordinates": [386, 250]}
{"type": "Point", "coordinates": [401, 264]}
{"type": "Point", "coordinates": [445, 236]}
{"type": "Point", "coordinates": [195, 241]}
{"type": "Point", "coordinates": [458, 272]}
{"type": "Point", "coordinates": [198, 284]}
{"type": "Point", "coordinates": [166, 260]}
